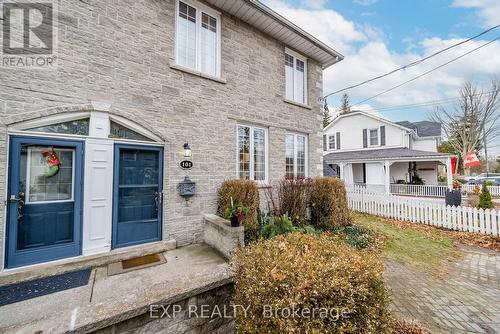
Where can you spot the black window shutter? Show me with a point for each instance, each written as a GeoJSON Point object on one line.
{"type": "Point", "coordinates": [324, 143]}
{"type": "Point", "coordinates": [365, 138]}
{"type": "Point", "coordinates": [382, 135]}
{"type": "Point", "coordinates": [338, 140]}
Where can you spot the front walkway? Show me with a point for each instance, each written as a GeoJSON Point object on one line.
{"type": "Point", "coordinates": [106, 300]}
{"type": "Point", "coordinates": [465, 300]}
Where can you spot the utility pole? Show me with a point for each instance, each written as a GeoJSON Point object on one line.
{"type": "Point", "coordinates": [486, 153]}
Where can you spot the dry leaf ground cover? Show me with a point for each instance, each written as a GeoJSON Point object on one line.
{"type": "Point", "coordinates": [426, 249]}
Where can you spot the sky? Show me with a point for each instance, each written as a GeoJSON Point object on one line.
{"type": "Point", "coordinates": [377, 36]}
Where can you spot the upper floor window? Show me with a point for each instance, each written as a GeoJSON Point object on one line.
{"type": "Point", "coordinates": [295, 156]}
{"type": "Point", "coordinates": [252, 153]}
{"type": "Point", "coordinates": [331, 142]}
{"type": "Point", "coordinates": [374, 137]}
{"type": "Point", "coordinates": [295, 77]}
{"type": "Point", "coordinates": [198, 38]}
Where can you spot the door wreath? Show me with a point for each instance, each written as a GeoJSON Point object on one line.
{"type": "Point", "coordinates": [52, 161]}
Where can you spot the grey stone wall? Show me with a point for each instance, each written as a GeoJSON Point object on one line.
{"type": "Point", "coordinates": [120, 52]}
{"type": "Point", "coordinates": [219, 234]}
{"type": "Point", "coordinates": [217, 316]}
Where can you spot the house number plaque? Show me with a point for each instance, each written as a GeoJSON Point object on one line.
{"type": "Point", "coordinates": [186, 164]}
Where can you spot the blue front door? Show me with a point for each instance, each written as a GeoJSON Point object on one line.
{"type": "Point", "coordinates": [44, 200]}
{"type": "Point", "coordinates": [137, 197]}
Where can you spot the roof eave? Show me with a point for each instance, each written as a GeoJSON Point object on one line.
{"type": "Point", "coordinates": [337, 56]}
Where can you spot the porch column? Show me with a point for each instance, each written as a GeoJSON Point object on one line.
{"type": "Point", "coordinates": [341, 168]}
{"type": "Point", "coordinates": [449, 175]}
{"type": "Point", "coordinates": [387, 179]}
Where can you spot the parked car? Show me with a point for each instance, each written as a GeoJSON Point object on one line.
{"type": "Point", "coordinates": [495, 180]}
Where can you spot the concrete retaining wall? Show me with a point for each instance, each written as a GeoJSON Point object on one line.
{"type": "Point", "coordinates": [189, 317]}
{"type": "Point", "coordinates": [219, 234]}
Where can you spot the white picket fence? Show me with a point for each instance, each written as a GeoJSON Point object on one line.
{"type": "Point", "coordinates": [469, 188]}
{"type": "Point", "coordinates": [413, 210]}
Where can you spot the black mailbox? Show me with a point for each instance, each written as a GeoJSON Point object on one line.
{"type": "Point", "coordinates": [187, 188]}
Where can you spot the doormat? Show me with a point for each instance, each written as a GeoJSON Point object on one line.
{"type": "Point", "coordinates": [18, 292]}
{"type": "Point", "coordinates": [135, 263]}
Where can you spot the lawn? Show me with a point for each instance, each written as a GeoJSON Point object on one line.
{"type": "Point", "coordinates": [427, 249]}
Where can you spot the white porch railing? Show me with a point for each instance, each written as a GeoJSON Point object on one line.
{"type": "Point", "coordinates": [410, 209]}
{"type": "Point", "coordinates": [419, 190]}
{"type": "Point", "coordinates": [469, 188]}
{"type": "Point", "coordinates": [401, 189]}
{"type": "Point", "coordinates": [375, 188]}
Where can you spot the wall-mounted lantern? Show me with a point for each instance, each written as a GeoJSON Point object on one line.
{"type": "Point", "coordinates": [187, 151]}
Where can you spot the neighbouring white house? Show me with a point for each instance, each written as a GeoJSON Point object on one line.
{"type": "Point", "coordinates": [363, 148]}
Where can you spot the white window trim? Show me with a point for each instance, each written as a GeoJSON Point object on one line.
{"type": "Point", "coordinates": [266, 143]}
{"type": "Point", "coordinates": [298, 56]}
{"type": "Point", "coordinates": [334, 142]}
{"type": "Point", "coordinates": [200, 8]}
{"type": "Point", "coordinates": [378, 137]}
{"type": "Point", "coordinates": [295, 153]}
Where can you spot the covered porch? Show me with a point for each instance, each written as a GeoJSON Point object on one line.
{"type": "Point", "coordinates": [398, 170]}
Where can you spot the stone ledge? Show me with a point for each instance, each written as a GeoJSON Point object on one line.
{"type": "Point", "coordinates": [298, 104]}
{"type": "Point", "coordinates": [218, 233]}
{"type": "Point", "coordinates": [188, 272]}
{"type": "Point", "coordinates": [197, 73]}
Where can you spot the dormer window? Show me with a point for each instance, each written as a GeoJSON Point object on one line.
{"type": "Point", "coordinates": [295, 77]}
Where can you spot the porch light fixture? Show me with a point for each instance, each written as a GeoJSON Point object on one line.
{"type": "Point", "coordinates": [187, 151]}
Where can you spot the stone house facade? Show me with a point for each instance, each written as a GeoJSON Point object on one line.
{"type": "Point", "coordinates": [116, 62]}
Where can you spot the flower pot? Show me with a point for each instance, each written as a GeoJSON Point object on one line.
{"type": "Point", "coordinates": [234, 221]}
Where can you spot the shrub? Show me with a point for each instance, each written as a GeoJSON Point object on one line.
{"type": "Point", "coordinates": [485, 201]}
{"type": "Point", "coordinates": [272, 226]}
{"type": "Point", "coordinates": [245, 193]}
{"type": "Point", "coordinates": [294, 197]}
{"type": "Point", "coordinates": [406, 327]}
{"type": "Point", "coordinates": [329, 203]}
{"type": "Point", "coordinates": [356, 236]}
{"type": "Point", "coordinates": [309, 273]}
{"type": "Point", "coordinates": [277, 225]}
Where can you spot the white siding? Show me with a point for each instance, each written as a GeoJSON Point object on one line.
{"type": "Point", "coordinates": [427, 170]}
{"type": "Point", "coordinates": [429, 144]}
{"type": "Point", "coordinates": [351, 132]}
{"type": "Point", "coordinates": [375, 173]}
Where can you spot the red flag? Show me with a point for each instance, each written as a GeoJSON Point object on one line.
{"type": "Point", "coordinates": [454, 161]}
{"type": "Point", "coordinates": [471, 159]}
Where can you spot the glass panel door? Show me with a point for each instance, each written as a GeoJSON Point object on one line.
{"type": "Point", "coordinates": [137, 204]}
{"type": "Point", "coordinates": [44, 200]}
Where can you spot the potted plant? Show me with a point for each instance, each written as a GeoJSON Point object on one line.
{"type": "Point", "coordinates": [236, 213]}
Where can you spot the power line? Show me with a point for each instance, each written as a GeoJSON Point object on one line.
{"type": "Point", "coordinates": [427, 72]}
{"type": "Point", "coordinates": [429, 103]}
{"type": "Point", "coordinates": [413, 63]}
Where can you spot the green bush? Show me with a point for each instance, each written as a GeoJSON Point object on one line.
{"type": "Point", "coordinates": [276, 225]}
{"type": "Point", "coordinates": [309, 273]}
{"type": "Point", "coordinates": [294, 197]}
{"type": "Point", "coordinates": [272, 226]}
{"type": "Point", "coordinates": [245, 193]}
{"type": "Point", "coordinates": [485, 201]}
{"type": "Point", "coordinates": [329, 207]}
{"type": "Point", "coordinates": [355, 235]}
